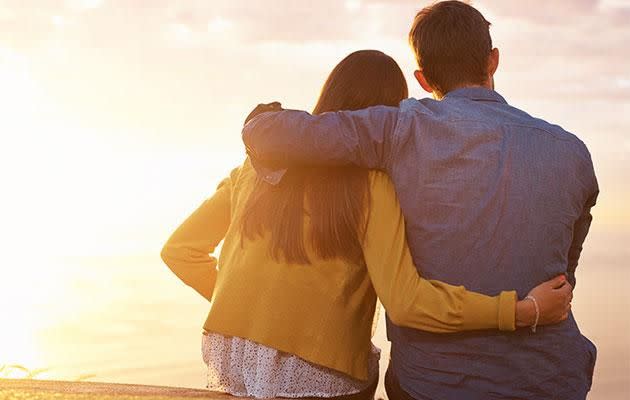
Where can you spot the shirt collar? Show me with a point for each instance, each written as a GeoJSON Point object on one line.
{"type": "Point", "coordinates": [477, 93]}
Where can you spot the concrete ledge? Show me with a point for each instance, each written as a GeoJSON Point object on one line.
{"type": "Point", "coordinates": [26, 389]}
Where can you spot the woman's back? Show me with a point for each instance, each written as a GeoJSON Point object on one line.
{"type": "Point", "coordinates": [320, 312]}
{"type": "Point", "coordinates": [328, 304]}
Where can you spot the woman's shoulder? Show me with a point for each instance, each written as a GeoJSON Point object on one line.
{"type": "Point", "coordinates": [382, 192]}
{"type": "Point", "coordinates": [380, 181]}
{"type": "Point", "coordinates": [241, 173]}
{"type": "Point", "coordinates": [245, 176]}
{"type": "Point", "coordinates": [242, 180]}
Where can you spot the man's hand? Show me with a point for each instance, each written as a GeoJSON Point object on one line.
{"type": "Point", "coordinates": [554, 302]}
{"type": "Point", "coordinates": [269, 172]}
{"type": "Point", "coordinates": [263, 108]}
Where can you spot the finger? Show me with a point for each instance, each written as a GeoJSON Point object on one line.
{"type": "Point", "coordinates": [263, 108]}
{"type": "Point", "coordinates": [566, 290]}
{"type": "Point", "coordinates": [258, 110]}
{"type": "Point", "coordinates": [558, 282]}
{"type": "Point", "coordinates": [271, 106]}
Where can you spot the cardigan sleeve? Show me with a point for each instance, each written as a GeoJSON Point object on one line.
{"type": "Point", "coordinates": [187, 251]}
{"type": "Point", "coordinates": [411, 300]}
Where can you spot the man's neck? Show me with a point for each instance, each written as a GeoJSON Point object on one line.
{"type": "Point", "coordinates": [487, 85]}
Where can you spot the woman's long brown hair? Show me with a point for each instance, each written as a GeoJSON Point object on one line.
{"type": "Point", "coordinates": [335, 200]}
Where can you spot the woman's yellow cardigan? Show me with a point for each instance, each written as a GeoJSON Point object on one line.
{"type": "Point", "coordinates": [321, 312]}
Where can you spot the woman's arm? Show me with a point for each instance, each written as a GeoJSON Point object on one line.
{"type": "Point", "coordinates": [187, 251]}
{"type": "Point", "coordinates": [435, 306]}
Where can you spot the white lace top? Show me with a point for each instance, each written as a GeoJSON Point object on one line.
{"type": "Point", "coordinates": [243, 368]}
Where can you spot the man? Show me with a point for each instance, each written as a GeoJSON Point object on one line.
{"type": "Point", "coordinates": [485, 187]}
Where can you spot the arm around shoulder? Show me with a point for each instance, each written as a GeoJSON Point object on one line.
{"type": "Point", "coordinates": [363, 138]}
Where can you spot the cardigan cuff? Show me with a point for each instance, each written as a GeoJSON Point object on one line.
{"type": "Point", "coordinates": [488, 312]}
{"type": "Point", "coordinates": [507, 311]}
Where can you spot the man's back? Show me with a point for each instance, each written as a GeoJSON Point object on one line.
{"type": "Point", "coordinates": [494, 200]}
{"type": "Point", "coordinates": [491, 197]}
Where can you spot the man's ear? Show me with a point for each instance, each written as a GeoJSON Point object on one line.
{"type": "Point", "coordinates": [422, 81]}
{"type": "Point", "coordinates": [493, 62]}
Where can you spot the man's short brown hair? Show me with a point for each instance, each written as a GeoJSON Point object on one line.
{"type": "Point", "coordinates": [452, 43]}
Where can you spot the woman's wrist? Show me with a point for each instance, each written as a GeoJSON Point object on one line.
{"type": "Point", "coordinates": [525, 314]}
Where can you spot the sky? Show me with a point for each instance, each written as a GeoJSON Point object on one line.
{"type": "Point", "coordinates": [120, 117]}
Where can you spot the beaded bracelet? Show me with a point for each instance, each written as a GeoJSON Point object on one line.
{"type": "Point", "coordinates": [533, 299]}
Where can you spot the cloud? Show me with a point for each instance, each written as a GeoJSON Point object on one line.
{"type": "Point", "coordinates": [81, 5]}
{"type": "Point", "coordinates": [540, 10]}
{"type": "Point", "coordinates": [568, 48]}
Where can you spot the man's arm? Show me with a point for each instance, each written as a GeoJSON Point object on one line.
{"type": "Point", "coordinates": [364, 138]}
{"type": "Point", "coordinates": [580, 230]}
{"type": "Point", "coordinates": [583, 223]}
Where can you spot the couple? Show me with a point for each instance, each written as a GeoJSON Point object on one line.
{"type": "Point", "coordinates": [449, 210]}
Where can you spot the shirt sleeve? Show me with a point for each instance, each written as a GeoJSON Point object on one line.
{"type": "Point", "coordinates": [364, 138]}
{"type": "Point", "coordinates": [408, 298]}
{"type": "Point", "coordinates": [580, 231]}
{"type": "Point", "coordinates": [187, 251]}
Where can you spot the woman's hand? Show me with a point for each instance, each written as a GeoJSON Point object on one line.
{"type": "Point", "coordinates": [554, 303]}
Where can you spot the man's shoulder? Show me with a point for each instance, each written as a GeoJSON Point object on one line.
{"type": "Point", "coordinates": [556, 131]}
{"type": "Point", "coordinates": [453, 112]}
{"type": "Point", "coordinates": [572, 148]}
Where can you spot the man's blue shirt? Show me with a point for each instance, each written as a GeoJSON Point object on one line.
{"type": "Point", "coordinates": [494, 200]}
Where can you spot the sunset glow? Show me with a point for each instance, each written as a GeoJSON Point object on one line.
{"type": "Point", "coordinates": [119, 118]}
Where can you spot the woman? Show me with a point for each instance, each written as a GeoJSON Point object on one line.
{"type": "Point", "coordinates": [302, 264]}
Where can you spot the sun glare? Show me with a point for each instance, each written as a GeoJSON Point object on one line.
{"type": "Point", "coordinates": [29, 283]}
{"type": "Point", "coordinates": [29, 299]}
